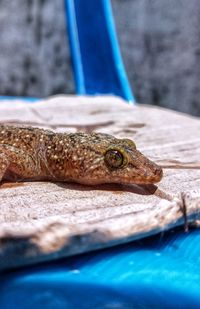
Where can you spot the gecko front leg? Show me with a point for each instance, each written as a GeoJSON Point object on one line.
{"type": "Point", "coordinates": [4, 164]}
{"type": "Point", "coordinates": [15, 164]}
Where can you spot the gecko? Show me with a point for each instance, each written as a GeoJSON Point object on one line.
{"type": "Point", "coordinates": [32, 154]}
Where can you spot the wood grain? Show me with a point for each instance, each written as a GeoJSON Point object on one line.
{"type": "Point", "coordinates": [40, 221]}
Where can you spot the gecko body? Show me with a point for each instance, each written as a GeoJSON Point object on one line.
{"type": "Point", "coordinates": [28, 153]}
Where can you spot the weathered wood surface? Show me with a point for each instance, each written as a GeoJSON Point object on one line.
{"type": "Point", "coordinates": [41, 220]}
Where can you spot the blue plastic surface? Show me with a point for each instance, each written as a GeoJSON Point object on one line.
{"type": "Point", "coordinates": [97, 62]}
{"type": "Point", "coordinates": [158, 272]}
{"type": "Point", "coordinates": [28, 99]}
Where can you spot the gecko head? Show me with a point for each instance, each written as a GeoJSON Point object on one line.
{"type": "Point", "coordinates": [112, 160]}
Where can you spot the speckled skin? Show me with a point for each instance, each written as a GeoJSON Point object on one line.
{"type": "Point", "coordinates": [28, 153]}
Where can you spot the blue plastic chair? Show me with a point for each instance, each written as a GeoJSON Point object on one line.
{"type": "Point", "coordinates": [96, 58]}
{"type": "Point", "coordinates": [158, 272]}
{"type": "Point", "coordinates": [98, 67]}
{"type": "Point", "coordinates": [161, 271]}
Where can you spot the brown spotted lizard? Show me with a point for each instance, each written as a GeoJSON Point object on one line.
{"type": "Point", "coordinates": [28, 153]}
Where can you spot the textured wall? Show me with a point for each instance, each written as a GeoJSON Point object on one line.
{"type": "Point", "coordinates": [34, 56]}
{"type": "Point", "coordinates": [160, 42]}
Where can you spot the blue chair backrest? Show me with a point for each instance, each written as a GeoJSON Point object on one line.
{"type": "Point", "coordinates": [97, 62]}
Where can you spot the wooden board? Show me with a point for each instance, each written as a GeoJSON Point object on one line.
{"type": "Point", "coordinates": [41, 221]}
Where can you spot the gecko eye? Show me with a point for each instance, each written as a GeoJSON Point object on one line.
{"type": "Point", "coordinates": [114, 158]}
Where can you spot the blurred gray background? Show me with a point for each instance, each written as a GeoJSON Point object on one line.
{"type": "Point", "coordinates": [159, 39]}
